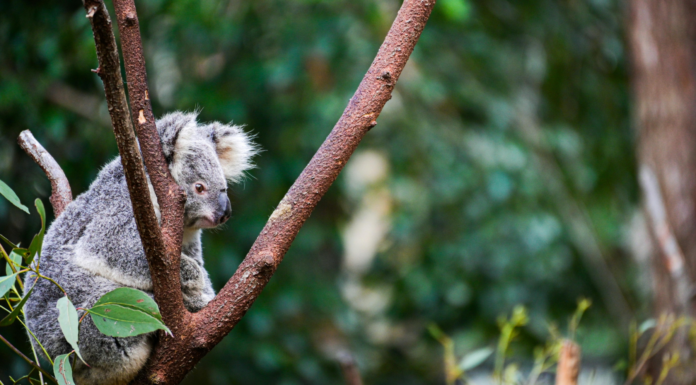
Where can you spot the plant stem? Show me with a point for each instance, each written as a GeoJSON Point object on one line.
{"type": "Point", "coordinates": [25, 358]}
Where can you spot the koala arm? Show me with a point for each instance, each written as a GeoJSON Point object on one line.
{"type": "Point", "coordinates": [195, 282]}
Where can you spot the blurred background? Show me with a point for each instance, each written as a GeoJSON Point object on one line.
{"type": "Point", "coordinates": [502, 172]}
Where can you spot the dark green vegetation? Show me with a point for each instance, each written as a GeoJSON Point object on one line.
{"type": "Point", "coordinates": [509, 153]}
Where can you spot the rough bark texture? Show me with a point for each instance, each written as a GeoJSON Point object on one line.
{"type": "Point", "coordinates": [61, 194]}
{"type": "Point", "coordinates": [163, 251]}
{"type": "Point", "coordinates": [662, 41]}
{"type": "Point", "coordinates": [196, 334]}
{"type": "Point", "coordinates": [110, 72]}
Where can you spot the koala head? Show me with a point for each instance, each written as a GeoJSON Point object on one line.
{"type": "Point", "coordinates": [203, 158]}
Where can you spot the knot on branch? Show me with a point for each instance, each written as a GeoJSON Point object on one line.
{"type": "Point", "coordinates": [264, 265]}
{"type": "Point", "coordinates": [131, 18]}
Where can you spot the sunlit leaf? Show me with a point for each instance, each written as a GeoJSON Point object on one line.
{"type": "Point", "coordinates": [62, 370]}
{"type": "Point", "coordinates": [8, 193]}
{"type": "Point", "coordinates": [10, 318]}
{"type": "Point", "coordinates": [6, 283]}
{"type": "Point", "coordinates": [475, 358]}
{"type": "Point", "coordinates": [69, 323]}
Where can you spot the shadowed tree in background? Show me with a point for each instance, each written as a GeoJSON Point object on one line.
{"type": "Point", "coordinates": [663, 44]}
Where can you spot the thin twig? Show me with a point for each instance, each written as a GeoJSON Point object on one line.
{"type": "Point", "coordinates": [25, 358]}
{"type": "Point", "coordinates": [61, 195]}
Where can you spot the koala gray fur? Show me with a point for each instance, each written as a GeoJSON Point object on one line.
{"type": "Point", "coordinates": [94, 246]}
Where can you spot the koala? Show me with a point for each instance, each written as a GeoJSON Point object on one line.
{"type": "Point", "coordinates": [94, 246]}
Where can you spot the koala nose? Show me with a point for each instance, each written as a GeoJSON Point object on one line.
{"type": "Point", "coordinates": [224, 204]}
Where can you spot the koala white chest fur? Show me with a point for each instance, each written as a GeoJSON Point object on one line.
{"type": "Point", "coordinates": [94, 246]}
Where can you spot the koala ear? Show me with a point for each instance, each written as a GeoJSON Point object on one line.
{"type": "Point", "coordinates": [170, 127]}
{"type": "Point", "coordinates": [234, 148]}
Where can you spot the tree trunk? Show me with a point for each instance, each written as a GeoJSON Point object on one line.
{"type": "Point", "coordinates": [664, 80]}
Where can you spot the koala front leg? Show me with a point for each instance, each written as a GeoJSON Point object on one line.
{"type": "Point", "coordinates": [195, 284]}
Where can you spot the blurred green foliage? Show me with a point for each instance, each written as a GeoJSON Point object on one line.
{"type": "Point", "coordinates": [508, 150]}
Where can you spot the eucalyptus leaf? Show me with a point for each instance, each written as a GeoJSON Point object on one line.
{"type": "Point", "coordinates": [475, 358]}
{"type": "Point", "coordinates": [16, 261]}
{"type": "Point", "coordinates": [69, 323]}
{"type": "Point", "coordinates": [10, 318]}
{"type": "Point", "coordinates": [6, 283]}
{"type": "Point", "coordinates": [134, 298]}
{"type": "Point", "coordinates": [37, 242]}
{"type": "Point", "coordinates": [8, 193]}
{"type": "Point", "coordinates": [62, 370]}
{"type": "Point", "coordinates": [124, 321]}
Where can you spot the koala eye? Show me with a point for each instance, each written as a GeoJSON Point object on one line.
{"type": "Point", "coordinates": [200, 188]}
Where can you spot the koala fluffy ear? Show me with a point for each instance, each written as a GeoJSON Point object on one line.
{"type": "Point", "coordinates": [234, 148]}
{"type": "Point", "coordinates": [169, 128]}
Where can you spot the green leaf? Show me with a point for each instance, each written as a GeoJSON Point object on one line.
{"type": "Point", "coordinates": [37, 242]}
{"type": "Point", "coordinates": [69, 323]}
{"type": "Point", "coordinates": [125, 296]}
{"type": "Point", "coordinates": [62, 370]}
{"type": "Point", "coordinates": [10, 318]}
{"type": "Point", "coordinates": [8, 193]}
{"type": "Point", "coordinates": [6, 283]}
{"type": "Point", "coordinates": [474, 359]}
{"type": "Point", "coordinates": [16, 261]}
{"type": "Point", "coordinates": [124, 321]}
{"type": "Point", "coordinates": [126, 312]}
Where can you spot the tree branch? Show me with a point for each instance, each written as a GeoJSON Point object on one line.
{"type": "Point", "coordinates": [161, 248]}
{"type": "Point", "coordinates": [164, 251]}
{"type": "Point", "coordinates": [197, 334]}
{"type": "Point", "coordinates": [61, 195]}
{"type": "Point", "coordinates": [230, 305]}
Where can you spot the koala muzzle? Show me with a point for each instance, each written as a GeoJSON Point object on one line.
{"type": "Point", "coordinates": [225, 208]}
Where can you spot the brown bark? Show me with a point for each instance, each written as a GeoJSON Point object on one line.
{"type": "Point", "coordinates": [662, 41]}
{"type": "Point", "coordinates": [163, 251]}
{"type": "Point", "coordinates": [61, 194]}
{"type": "Point", "coordinates": [151, 235]}
{"type": "Point", "coordinates": [195, 335]}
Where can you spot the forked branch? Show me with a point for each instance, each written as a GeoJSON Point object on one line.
{"type": "Point", "coordinates": [61, 195]}
{"type": "Point", "coordinates": [196, 334]}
